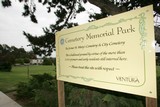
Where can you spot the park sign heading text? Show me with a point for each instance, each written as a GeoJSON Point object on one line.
{"type": "Point", "coordinates": [115, 53]}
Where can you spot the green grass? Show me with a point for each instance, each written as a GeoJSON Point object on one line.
{"type": "Point", "coordinates": [9, 80]}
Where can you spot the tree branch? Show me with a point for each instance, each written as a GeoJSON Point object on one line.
{"type": "Point", "coordinates": [70, 13]}
{"type": "Point", "coordinates": [107, 6]}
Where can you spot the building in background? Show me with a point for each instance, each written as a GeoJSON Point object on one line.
{"type": "Point", "coordinates": [38, 61]}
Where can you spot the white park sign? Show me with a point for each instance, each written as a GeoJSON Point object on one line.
{"type": "Point", "coordinates": [115, 53]}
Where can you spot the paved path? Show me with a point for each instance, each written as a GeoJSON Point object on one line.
{"type": "Point", "coordinates": [5, 101]}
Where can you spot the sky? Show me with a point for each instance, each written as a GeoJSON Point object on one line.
{"type": "Point", "coordinates": [12, 23]}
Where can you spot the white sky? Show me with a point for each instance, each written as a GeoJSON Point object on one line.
{"type": "Point", "coordinates": [12, 23]}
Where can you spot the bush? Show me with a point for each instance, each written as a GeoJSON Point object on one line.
{"type": "Point", "coordinates": [24, 91]}
{"type": "Point", "coordinates": [5, 66]}
{"type": "Point", "coordinates": [26, 60]}
{"type": "Point", "coordinates": [82, 96]}
{"type": "Point", "coordinates": [117, 99]}
{"type": "Point", "coordinates": [19, 61]}
{"type": "Point", "coordinates": [47, 61]}
{"type": "Point", "coordinates": [47, 95]}
{"type": "Point", "coordinates": [41, 89]}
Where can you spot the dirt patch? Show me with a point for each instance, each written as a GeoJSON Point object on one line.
{"type": "Point", "coordinates": [22, 102]}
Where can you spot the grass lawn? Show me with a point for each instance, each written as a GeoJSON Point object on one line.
{"type": "Point", "coordinates": [8, 80]}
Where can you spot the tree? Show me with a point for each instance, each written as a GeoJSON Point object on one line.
{"type": "Point", "coordinates": [68, 9]}
{"type": "Point", "coordinates": [47, 61]}
{"type": "Point", "coordinates": [14, 55]}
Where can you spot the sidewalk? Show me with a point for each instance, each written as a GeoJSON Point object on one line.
{"type": "Point", "coordinates": [5, 101]}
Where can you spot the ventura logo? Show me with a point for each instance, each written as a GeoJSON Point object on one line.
{"type": "Point", "coordinates": [128, 79]}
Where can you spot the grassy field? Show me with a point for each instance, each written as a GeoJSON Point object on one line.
{"type": "Point", "coordinates": [8, 80]}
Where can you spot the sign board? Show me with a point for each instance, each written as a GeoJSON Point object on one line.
{"type": "Point", "coordinates": [115, 53]}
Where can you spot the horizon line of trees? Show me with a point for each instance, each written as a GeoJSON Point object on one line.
{"type": "Point", "coordinates": [12, 55]}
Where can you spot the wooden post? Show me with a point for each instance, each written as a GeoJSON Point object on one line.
{"type": "Point", "coordinates": [151, 102]}
{"type": "Point", "coordinates": [28, 71]}
{"type": "Point", "coordinates": [61, 94]}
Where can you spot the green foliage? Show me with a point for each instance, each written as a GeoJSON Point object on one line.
{"type": "Point", "coordinates": [82, 96]}
{"type": "Point", "coordinates": [24, 91]}
{"type": "Point", "coordinates": [42, 88]}
{"type": "Point", "coordinates": [44, 41]}
{"type": "Point", "coordinates": [116, 99]}
{"type": "Point", "coordinates": [14, 55]}
{"type": "Point", "coordinates": [37, 80]}
{"type": "Point", "coordinates": [47, 95]}
{"type": "Point", "coordinates": [26, 60]}
{"type": "Point", "coordinates": [47, 61]}
{"type": "Point", "coordinates": [19, 61]}
{"type": "Point", "coordinates": [5, 66]}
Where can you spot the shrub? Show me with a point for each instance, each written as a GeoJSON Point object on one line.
{"type": "Point", "coordinates": [19, 61]}
{"type": "Point", "coordinates": [47, 61]}
{"type": "Point", "coordinates": [41, 89]}
{"type": "Point", "coordinates": [24, 91]}
{"type": "Point", "coordinates": [82, 96]}
{"type": "Point", "coordinates": [26, 60]}
{"type": "Point", "coordinates": [5, 66]}
{"type": "Point", "coordinates": [47, 95]}
{"type": "Point", "coordinates": [116, 99]}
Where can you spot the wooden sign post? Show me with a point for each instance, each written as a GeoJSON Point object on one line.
{"type": "Point", "coordinates": [151, 102]}
{"type": "Point", "coordinates": [61, 94]}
